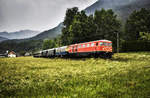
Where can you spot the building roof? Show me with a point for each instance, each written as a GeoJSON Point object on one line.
{"type": "Point", "coordinates": [12, 52]}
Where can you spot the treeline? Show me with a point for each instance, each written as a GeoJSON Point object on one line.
{"type": "Point", "coordinates": [22, 47]}
{"type": "Point", "coordinates": [104, 24]}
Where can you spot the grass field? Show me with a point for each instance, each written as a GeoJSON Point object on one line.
{"type": "Point", "coordinates": [126, 75]}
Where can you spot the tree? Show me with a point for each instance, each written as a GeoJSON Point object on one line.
{"type": "Point", "coordinates": [47, 44]}
{"type": "Point", "coordinates": [106, 23]}
{"type": "Point", "coordinates": [70, 14]}
{"type": "Point", "coordinates": [82, 28]}
{"type": "Point", "coordinates": [138, 21]}
{"type": "Point", "coordinates": [58, 41]}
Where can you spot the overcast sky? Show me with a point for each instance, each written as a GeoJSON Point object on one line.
{"type": "Point", "coordinates": [38, 15]}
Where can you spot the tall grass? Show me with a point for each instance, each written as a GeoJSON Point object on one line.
{"type": "Point", "coordinates": [126, 75]}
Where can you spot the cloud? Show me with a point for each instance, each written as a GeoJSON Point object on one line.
{"type": "Point", "coordinates": [35, 14]}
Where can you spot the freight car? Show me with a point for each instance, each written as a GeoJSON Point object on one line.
{"type": "Point", "coordinates": [62, 51]}
{"type": "Point", "coordinates": [99, 48]}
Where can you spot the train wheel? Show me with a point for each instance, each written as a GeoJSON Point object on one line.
{"type": "Point", "coordinates": [96, 55]}
{"type": "Point", "coordinates": [108, 56]}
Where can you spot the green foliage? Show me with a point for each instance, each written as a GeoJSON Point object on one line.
{"type": "Point", "coordinates": [82, 28]}
{"type": "Point", "coordinates": [144, 36]}
{"type": "Point", "coordinates": [58, 41]}
{"type": "Point", "coordinates": [70, 14]}
{"type": "Point", "coordinates": [137, 31]}
{"type": "Point", "coordinates": [53, 43]}
{"type": "Point", "coordinates": [126, 75]}
{"type": "Point", "coordinates": [47, 44]}
{"type": "Point", "coordinates": [107, 24]}
{"type": "Point", "coordinates": [138, 21]}
{"type": "Point", "coordinates": [22, 47]}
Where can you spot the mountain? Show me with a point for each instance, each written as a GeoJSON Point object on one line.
{"type": "Point", "coordinates": [122, 7]}
{"type": "Point", "coordinates": [52, 33]}
{"type": "Point", "coordinates": [3, 39]}
{"type": "Point", "coordinates": [19, 34]}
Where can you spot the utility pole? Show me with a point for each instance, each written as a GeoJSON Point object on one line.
{"type": "Point", "coordinates": [117, 33]}
{"type": "Point", "coordinates": [117, 42]}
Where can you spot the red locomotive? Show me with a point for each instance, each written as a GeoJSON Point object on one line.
{"type": "Point", "coordinates": [102, 48]}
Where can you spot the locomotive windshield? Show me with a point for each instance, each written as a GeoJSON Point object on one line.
{"type": "Point", "coordinates": [105, 44]}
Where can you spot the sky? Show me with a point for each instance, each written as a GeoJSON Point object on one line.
{"type": "Point", "coordinates": [39, 15]}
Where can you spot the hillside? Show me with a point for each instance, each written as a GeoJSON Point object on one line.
{"type": "Point", "coordinates": [19, 34]}
{"type": "Point", "coordinates": [3, 39]}
{"type": "Point", "coordinates": [122, 7]}
{"type": "Point", "coordinates": [126, 10]}
{"type": "Point", "coordinates": [126, 75]}
{"type": "Point", "coordinates": [49, 34]}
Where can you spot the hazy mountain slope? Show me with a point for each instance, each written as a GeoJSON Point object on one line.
{"type": "Point", "coordinates": [49, 34]}
{"type": "Point", "coordinates": [126, 10]}
{"type": "Point", "coordinates": [121, 7]}
{"type": "Point", "coordinates": [19, 34]}
{"type": "Point", "coordinates": [3, 39]}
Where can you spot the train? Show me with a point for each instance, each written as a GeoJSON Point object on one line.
{"type": "Point", "coordinates": [98, 48]}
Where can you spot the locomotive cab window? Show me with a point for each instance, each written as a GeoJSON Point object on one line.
{"type": "Point", "coordinates": [110, 44]}
{"type": "Point", "coordinates": [79, 46]}
{"type": "Point", "coordinates": [83, 46]}
{"type": "Point", "coordinates": [105, 44]}
{"type": "Point", "coordinates": [101, 43]}
{"type": "Point", "coordinates": [92, 44]}
{"type": "Point", "coordinates": [88, 45]}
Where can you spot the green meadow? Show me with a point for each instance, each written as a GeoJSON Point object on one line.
{"type": "Point", "coordinates": [126, 75]}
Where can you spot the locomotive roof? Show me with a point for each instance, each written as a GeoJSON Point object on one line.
{"type": "Point", "coordinates": [55, 48]}
{"type": "Point", "coordinates": [105, 40]}
{"type": "Point", "coordinates": [93, 41]}
{"type": "Point", "coordinates": [61, 47]}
